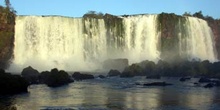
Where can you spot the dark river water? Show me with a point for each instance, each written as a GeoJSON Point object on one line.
{"type": "Point", "coordinates": [116, 94]}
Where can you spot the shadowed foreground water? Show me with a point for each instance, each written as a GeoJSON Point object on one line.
{"type": "Point", "coordinates": [116, 93]}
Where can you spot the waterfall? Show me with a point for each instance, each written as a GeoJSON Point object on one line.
{"type": "Point", "coordinates": [200, 43]}
{"type": "Point", "coordinates": [73, 44]}
{"type": "Point", "coordinates": [48, 42]}
{"type": "Point", "coordinates": [142, 38]}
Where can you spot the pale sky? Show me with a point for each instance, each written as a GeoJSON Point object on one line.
{"type": "Point", "coordinates": [76, 8]}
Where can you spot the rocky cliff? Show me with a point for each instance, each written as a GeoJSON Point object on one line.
{"type": "Point", "coordinates": [215, 26]}
{"type": "Point", "coordinates": [7, 24]}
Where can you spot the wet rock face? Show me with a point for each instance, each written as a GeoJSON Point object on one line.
{"type": "Point", "coordinates": [215, 26]}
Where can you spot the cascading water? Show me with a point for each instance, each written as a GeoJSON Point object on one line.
{"type": "Point", "coordinates": [196, 40]}
{"type": "Point", "coordinates": [200, 40]}
{"type": "Point", "coordinates": [84, 43]}
{"type": "Point", "coordinates": [48, 42]}
{"type": "Point", "coordinates": [142, 38]}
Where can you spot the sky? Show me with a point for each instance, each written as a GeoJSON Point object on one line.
{"type": "Point", "coordinates": [76, 8]}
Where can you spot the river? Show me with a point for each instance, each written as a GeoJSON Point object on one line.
{"type": "Point", "coordinates": [117, 94]}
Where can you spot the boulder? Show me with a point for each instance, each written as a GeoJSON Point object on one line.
{"type": "Point", "coordinates": [158, 84]}
{"type": "Point", "coordinates": [78, 76]}
{"type": "Point", "coordinates": [31, 75]}
{"type": "Point", "coordinates": [204, 80]}
{"type": "Point", "coordinates": [184, 79]}
{"type": "Point", "coordinates": [12, 84]}
{"type": "Point", "coordinates": [55, 78]}
{"type": "Point", "coordinates": [44, 77]}
{"type": "Point", "coordinates": [216, 82]}
{"type": "Point", "coordinates": [197, 84]}
{"type": "Point", "coordinates": [101, 76]}
{"type": "Point", "coordinates": [209, 85]}
{"type": "Point", "coordinates": [131, 71]}
{"type": "Point", "coordinates": [113, 73]}
{"type": "Point", "coordinates": [153, 77]}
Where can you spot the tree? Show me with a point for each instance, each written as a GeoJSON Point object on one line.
{"type": "Point", "coordinates": [91, 12]}
{"type": "Point", "coordinates": [198, 15]}
{"type": "Point", "coordinates": [7, 3]}
{"type": "Point", "coordinates": [9, 7]}
{"type": "Point", "coordinates": [187, 14]}
{"type": "Point", "coordinates": [209, 18]}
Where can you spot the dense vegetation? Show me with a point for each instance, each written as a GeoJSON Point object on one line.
{"type": "Point", "coordinates": [7, 21]}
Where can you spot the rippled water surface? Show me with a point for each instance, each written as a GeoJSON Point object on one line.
{"type": "Point", "coordinates": [116, 93]}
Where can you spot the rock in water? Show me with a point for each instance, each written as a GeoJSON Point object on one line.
{"type": "Point", "coordinates": [184, 79]}
{"type": "Point", "coordinates": [12, 84]}
{"type": "Point", "coordinates": [78, 76]}
{"type": "Point", "coordinates": [31, 75]}
{"type": "Point", "coordinates": [44, 77]}
{"type": "Point", "coordinates": [153, 77]}
{"type": "Point", "coordinates": [133, 70]}
{"type": "Point", "coordinates": [113, 73]}
{"type": "Point", "coordinates": [204, 80]}
{"type": "Point", "coordinates": [158, 84]}
{"type": "Point", "coordinates": [209, 85]}
{"type": "Point", "coordinates": [101, 76]}
{"type": "Point", "coordinates": [56, 78]}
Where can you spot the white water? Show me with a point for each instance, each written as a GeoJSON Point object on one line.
{"type": "Point", "coordinates": [142, 31]}
{"type": "Point", "coordinates": [200, 43]}
{"type": "Point", "coordinates": [76, 44]}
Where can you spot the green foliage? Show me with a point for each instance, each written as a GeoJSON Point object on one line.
{"type": "Point", "coordinates": [93, 14]}
{"type": "Point", "coordinates": [198, 15]}
{"type": "Point", "coordinates": [7, 3]}
{"type": "Point", "coordinates": [187, 14]}
{"type": "Point", "coordinates": [9, 7]}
